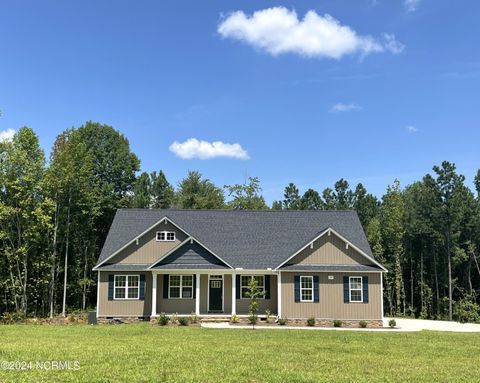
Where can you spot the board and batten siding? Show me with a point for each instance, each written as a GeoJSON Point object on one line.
{"type": "Point", "coordinates": [124, 307]}
{"type": "Point", "coordinates": [329, 250]}
{"type": "Point", "coordinates": [331, 304]}
{"type": "Point", "coordinates": [149, 249]}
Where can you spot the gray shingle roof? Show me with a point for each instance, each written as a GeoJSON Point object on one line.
{"type": "Point", "coordinates": [242, 238]}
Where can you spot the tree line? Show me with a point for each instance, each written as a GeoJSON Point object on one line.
{"type": "Point", "coordinates": [55, 215]}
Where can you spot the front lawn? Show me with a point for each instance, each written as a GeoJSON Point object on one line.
{"type": "Point", "coordinates": [145, 353]}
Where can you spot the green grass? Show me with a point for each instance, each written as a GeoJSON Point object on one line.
{"type": "Point", "coordinates": [145, 353]}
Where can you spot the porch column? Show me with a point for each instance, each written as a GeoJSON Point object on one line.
{"type": "Point", "coordinates": [154, 294]}
{"type": "Point", "coordinates": [234, 294]}
{"type": "Point", "coordinates": [197, 294]}
{"type": "Point", "coordinates": [279, 294]}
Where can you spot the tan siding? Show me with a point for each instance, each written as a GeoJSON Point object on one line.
{"type": "Point", "coordinates": [263, 304]}
{"type": "Point", "coordinates": [187, 306]}
{"type": "Point", "coordinates": [169, 306]}
{"type": "Point", "coordinates": [331, 305]}
{"type": "Point", "coordinates": [227, 294]}
{"type": "Point", "coordinates": [148, 249]}
{"type": "Point", "coordinates": [329, 250]}
{"type": "Point", "coordinates": [118, 308]}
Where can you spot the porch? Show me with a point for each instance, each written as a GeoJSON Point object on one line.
{"type": "Point", "coordinates": [209, 293]}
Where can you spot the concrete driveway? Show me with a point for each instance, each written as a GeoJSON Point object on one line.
{"type": "Point", "coordinates": [404, 324]}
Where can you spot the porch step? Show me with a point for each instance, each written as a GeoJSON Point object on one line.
{"type": "Point", "coordinates": [215, 319]}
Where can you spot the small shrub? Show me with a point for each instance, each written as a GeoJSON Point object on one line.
{"type": "Point", "coordinates": [363, 323]}
{"type": "Point", "coordinates": [466, 310]}
{"type": "Point", "coordinates": [337, 323]}
{"type": "Point", "coordinates": [183, 321]}
{"type": "Point", "coordinates": [392, 323]}
{"type": "Point", "coordinates": [163, 319]}
{"type": "Point", "coordinates": [253, 319]}
{"type": "Point", "coordinates": [268, 315]}
{"type": "Point", "coordinates": [234, 318]}
{"type": "Point", "coordinates": [71, 318]}
{"type": "Point", "coordinates": [282, 321]}
{"type": "Point", "coordinates": [12, 317]}
{"type": "Point", "coordinates": [193, 318]}
{"type": "Point", "coordinates": [174, 318]}
{"type": "Point", "coordinates": [311, 321]}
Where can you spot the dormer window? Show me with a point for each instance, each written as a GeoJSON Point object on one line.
{"type": "Point", "coordinates": [165, 236]}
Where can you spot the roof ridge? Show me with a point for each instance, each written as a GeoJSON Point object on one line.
{"type": "Point", "coordinates": [246, 210]}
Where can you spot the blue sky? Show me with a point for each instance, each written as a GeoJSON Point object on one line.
{"type": "Point", "coordinates": [381, 89]}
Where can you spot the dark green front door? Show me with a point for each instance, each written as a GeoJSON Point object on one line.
{"type": "Point", "coordinates": [215, 295]}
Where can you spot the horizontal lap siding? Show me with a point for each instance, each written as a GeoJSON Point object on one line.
{"type": "Point", "coordinates": [149, 249]}
{"type": "Point", "coordinates": [169, 306]}
{"type": "Point", "coordinates": [126, 307]}
{"type": "Point", "coordinates": [331, 305]}
{"type": "Point", "coordinates": [263, 304]}
{"type": "Point", "coordinates": [329, 250]}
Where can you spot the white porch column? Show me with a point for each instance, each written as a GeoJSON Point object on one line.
{"type": "Point", "coordinates": [154, 293]}
{"type": "Point", "coordinates": [197, 294]}
{"type": "Point", "coordinates": [234, 294]}
{"type": "Point", "coordinates": [279, 294]}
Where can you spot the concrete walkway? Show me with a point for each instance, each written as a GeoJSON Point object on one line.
{"type": "Point", "coordinates": [403, 325]}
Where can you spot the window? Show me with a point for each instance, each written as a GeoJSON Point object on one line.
{"type": "Point", "coordinates": [245, 279]}
{"type": "Point", "coordinates": [356, 293]}
{"type": "Point", "coordinates": [180, 287]}
{"type": "Point", "coordinates": [166, 236]}
{"type": "Point", "coordinates": [306, 289]}
{"type": "Point", "coordinates": [126, 287]}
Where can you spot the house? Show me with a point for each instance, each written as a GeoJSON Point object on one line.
{"type": "Point", "coordinates": [309, 263]}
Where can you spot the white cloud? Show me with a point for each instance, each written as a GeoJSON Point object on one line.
{"type": "Point", "coordinates": [278, 31]}
{"type": "Point", "coordinates": [193, 148]}
{"type": "Point", "coordinates": [341, 107]}
{"type": "Point", "coordinates": [7, 135]}
{"type": "Point", "coordinates": [411, 129]}
{"type": "Point", "coordinates": [392, 44]}
{"type": "Point", "coordinates": [411, 5]}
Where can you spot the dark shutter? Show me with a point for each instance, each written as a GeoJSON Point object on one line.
{"type": "Point", "coordinates": [267, 286]}
{"type": "Point", "coordinates": [194, 285]}
{"type": "Point", "coordinates": [365, 289]}
{"type": "Point", "coordinates": [111, 279]}
{"type": "Point", "coordinates": [237, 286]}
{"type": "Point", "coordinates": [316, 288]}
{"type": "Point", "coordinates": [165, 286]}
{"type": "Point", "coordinates": [297, 288]}
{"type": "Point", "coordinates": [142, 287]}
{"type": "Point", "coordinates": [346, 294]}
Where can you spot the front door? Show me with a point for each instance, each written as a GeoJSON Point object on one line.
{"type": "Point", "coordinates": [215, 293]}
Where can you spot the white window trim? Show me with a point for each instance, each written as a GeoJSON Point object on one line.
{"type": "Point", "coordinates": [166, 236]}
{"type": "Point", "coordinates": [250, 276]}
{"type": "Point", "coordinates": [125, 287]}
{"type": "Point", "coordinates": [350, 290]}
{"type": "Point", "coordinates": [181, 285]}
{"type": "Point", "coordinates": [306, 288]}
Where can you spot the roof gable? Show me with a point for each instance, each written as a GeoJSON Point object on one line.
{"type": "Point", "coordinates": [330, 248]}
{"type": "Point", "coordinates": [190, 254]}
